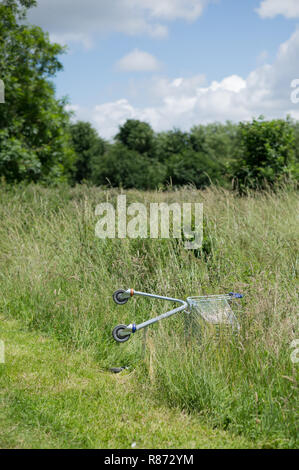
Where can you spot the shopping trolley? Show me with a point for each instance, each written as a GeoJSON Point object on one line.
{"type": "Point", "coordinates": [212, 309]}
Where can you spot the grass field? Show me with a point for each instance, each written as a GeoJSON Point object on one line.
{"type": "Point", "coordinates": [51, 398]}
{"type": "Point", "coordinates": [57, 278]}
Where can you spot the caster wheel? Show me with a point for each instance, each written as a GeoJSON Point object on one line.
{"type": "Point", "coordinates": [117, 337]}
{"type": "Point", "coordinates": [117, 299]}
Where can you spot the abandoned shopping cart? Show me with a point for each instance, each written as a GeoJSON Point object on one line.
{"type": "Point", "coordinates": [212, 309]}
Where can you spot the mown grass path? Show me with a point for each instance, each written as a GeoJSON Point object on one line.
{"type": "Point", "coordinates": [54, 398]}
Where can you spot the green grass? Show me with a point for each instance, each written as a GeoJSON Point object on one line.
{"type": "Point", "coordinates": [51, 398]}
{"type": "Point", "coordinates": [57, 278]}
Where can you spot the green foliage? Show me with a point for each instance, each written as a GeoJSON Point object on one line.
{"type": "Point", "coordinates": [195, 157]}
{"type": "Point", "coordinates": [295, 125]}
{"type": "Point", "coordinates": [217, 140]}
{"type": "Point", "coordinates": [265, 154]}
{"type": "Point", "coordinates": [171, 143]}
{"type": "Point", "coordinates": [34, 122]}
{"type": "Point", "coordinates": [295, 164]}
{"type": "Point", "coordinates": [137, 135]}
{"type": "Point", "coordinates": [193, 167]}
{"type": "Point", "coordinates": [121, 166]}
{"type": "Point", "coordinates": [17, 163]}
{"type": "Point", "coordinates": [89, 148]}
{"type": "Point", "coordinates": [201, 157]}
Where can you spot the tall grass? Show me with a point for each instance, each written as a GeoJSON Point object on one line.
{"type": "Point", "coordinates": [58, 277]}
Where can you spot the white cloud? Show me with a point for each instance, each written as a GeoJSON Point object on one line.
{"type": "Point", "coordinates": [272, 8]}
{"type": "Point", "coordinates": [233, 83]}
{"type": "Point", "coordinates": [182, 105]}
{"type": "Point", "coordinates": [83, 39]}
{"type": "Point", "coordinates": [262, 57]}
{"type": "Point", "coordinates": [72, 108]}
{"type": "Point", "coordinates": [79, 21]}
{"type": "Point", "coordinates": [189, 10]}
{"type": "Point", "coordinates": [184, 102]}
{"type": "Point", "coordinates": [138, 61]}
{"type": "Point", "coordinates": [108, 116]}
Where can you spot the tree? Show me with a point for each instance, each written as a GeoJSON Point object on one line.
{"type": "Point", "coordinates": [295, 126]}
{"type": "Point", "coordinates": [88, 146]}
{"type": "Point", "coordinates": [121, 166]}
{"type": "Point", "coordinates": [34, 138]}
{"type": "Point", "coordinates": [217, 140]}
{"type": "Point", "coordinates": [265, 154]}
{"type": "Point", "coordinates": [295, 165]}
{"type": "Point", "coordinates": [192, 167]}
{"type": "Point", "coordinates": [137, 135]}
{"type": "Point", "coordinates": [170, 143]}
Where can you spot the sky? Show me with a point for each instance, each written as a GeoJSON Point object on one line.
{"type": "Point", "coordinates": [174, 63]}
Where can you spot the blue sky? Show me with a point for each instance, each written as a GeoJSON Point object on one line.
{"type": "Point", "coordinates": [174, 62]}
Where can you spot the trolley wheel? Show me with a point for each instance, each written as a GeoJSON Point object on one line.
{"type": "Point", "coordinates": [117, 337]}
{"type": "Point", "coordinates": [117, 299]}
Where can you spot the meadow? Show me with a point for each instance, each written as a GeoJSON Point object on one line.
{"type": "Point", "coordinates": [57, 278]}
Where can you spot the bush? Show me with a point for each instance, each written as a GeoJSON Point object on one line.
{"type": "Point", "coordinates": [265, 153]}
{"type": "Point", "coordinates": [193, 168]}
{"type": "Point", "coordinates": [17, 162]}
{"type": "Point", "coordinates": [129, 169]}
{"type": "Point", "coordinates": [171, 143]}
{"type": "Point", "coordinates": [88, 146]}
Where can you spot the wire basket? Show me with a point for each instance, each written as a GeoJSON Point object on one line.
{"type": "Point", "coordinates": [211, 313]}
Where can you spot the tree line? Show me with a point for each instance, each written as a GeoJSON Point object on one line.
{"type": "Point", "coordinates": [249, 154]}
{"type": "Point", "coordinates": [39, 142]}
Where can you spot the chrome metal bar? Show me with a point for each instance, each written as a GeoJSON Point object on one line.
{"type": "Point", "coordinates": [161, 317]}
{"type": "Point", "coordinates": [154, 296]}
{"type": "Point", "coordinates": [164, 315]}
